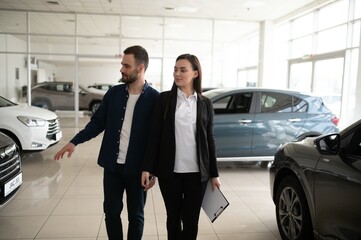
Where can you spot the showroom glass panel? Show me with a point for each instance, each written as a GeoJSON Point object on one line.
{"type": "Point", "coordinates": [58, 68]}
{"type": "Point", "coordinates": [281, 48]}
{"type": "Point", "coordinates": [98, 25]}
{"type": "Point", "coordinates": [333, 14]}
{"type": "Point", "coordinates": [301, 76]}
{"type": "Point", "coordinates": [356, 33]}
{"type": "Point", "coordinates": [332, 39]}
{"type": "Point", "coordinates": [226, 62]}
{"type": "Point", "coordinates": [134, 27]}
{"type": "Point", "coordinates": [12, 22]}
{"type": "Point", "coordinates": [247, 51]}
{"type": "Point", "coordinates": [302, 26]}
{"type": "Point", "coordinates": [153, 74]}
{"type": "Point", "coordinates": [349, 104]}
{"type": "Point", "coordinates": [302, 47]}
{"type": "Point", "coordinates": [168, 68]}
{"type": "Point", "coordinates": [328, 79]}
{"type": "Point", "coordinates": [13, 43]}
{"type": "Point", "coordinates": [282, 32]}
{"type": "Point", "coordinates": [188, 29]}
{"type": "Point", "coordinates": [357, 10]}
{"type": "Point", "coordinates": [202, 50]}
{"type": "Point", "coordinates": [153, 47]}
{"type": "Point", "coordinates": [174, 48]}
{"type": "Point", "coordinates": [247, 77]}
{"type": "Point", "coordinates": [13, 76]}
{"type": "Point", "coordinates": [98, 46]}
{"type": "Point", "coordinates": [53, 68]}
{"type": "Point", "coordinates": [232, 31]}
{"type": "Point", "coordinates": [99, 71]}
{"type": "Point", "coordinates": [52, 23]}
{"type": "Point", "coordinates": [49, 44]}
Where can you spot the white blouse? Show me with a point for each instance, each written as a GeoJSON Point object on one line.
{"type": "Point", "coordinates": [185, 133]}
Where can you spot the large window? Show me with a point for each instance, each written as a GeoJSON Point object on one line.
{"type": "Point", "coordinates": [86, 48]}
{"type": "Point", "coordinates": [319, 49]}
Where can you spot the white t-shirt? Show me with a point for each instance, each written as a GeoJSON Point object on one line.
{"type": "Point", "coordinates": [126, 128]}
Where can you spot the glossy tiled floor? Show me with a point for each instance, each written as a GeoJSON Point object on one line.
{"type": "Point", "coordinates": [63, 200]}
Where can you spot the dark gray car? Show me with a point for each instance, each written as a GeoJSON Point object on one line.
{"type": "Point", "coordinates": [251, 123]}
{"type": "Point", "coordinates": [316, 186]}
{"type": "Point", "coordinates": [60, 96]}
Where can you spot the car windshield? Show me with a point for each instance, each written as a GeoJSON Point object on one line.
{"type": "Point", "coordinates": [215, 92]}
{"type": "Point", "coordinates": [6, 103]}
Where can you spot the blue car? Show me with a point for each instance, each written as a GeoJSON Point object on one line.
{"type": "Point", "coordinates": [251, 123]}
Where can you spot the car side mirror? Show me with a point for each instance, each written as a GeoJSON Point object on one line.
{"type": "Point", "coordinates": [328, 144]}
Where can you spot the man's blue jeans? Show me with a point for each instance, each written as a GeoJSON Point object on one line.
{"type": "Point", "coordinates": [114, 185]}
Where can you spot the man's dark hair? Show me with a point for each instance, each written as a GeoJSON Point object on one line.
{"type": "Point", "coordinates": [140, 55]}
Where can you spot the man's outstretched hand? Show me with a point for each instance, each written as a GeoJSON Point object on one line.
{"type": "Point", "coordinates": [70, 148]}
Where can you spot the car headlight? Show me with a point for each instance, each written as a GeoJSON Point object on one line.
{"type": "Point", "coordinates": [32, 122]}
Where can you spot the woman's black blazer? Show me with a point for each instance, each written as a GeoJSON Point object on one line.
{"type": "Point", "coordinates": [160, 155]}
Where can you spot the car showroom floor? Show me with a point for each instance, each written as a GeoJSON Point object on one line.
{"type": "Point", "coordinates": [63, 200]}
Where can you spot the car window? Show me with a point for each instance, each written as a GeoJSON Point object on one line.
{"type": "Point", "coordinates": [236, 103]}
{"type": "Point", "coordinates": [59, 87]}
{"type": "Point", "coordinates": [6, 103]}
{"type": "Point", "coordinates": [299, 105]}
{"type": "Point", "coordinates": [275, 102]}
{"type": "Point", "coordinates": [353, 143]}
{"type": "Point", "coordinates": [282, 103]}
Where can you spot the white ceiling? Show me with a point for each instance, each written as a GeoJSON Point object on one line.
{"type": "Point", "coordinates": [250, 11]}
{"type": "Point", "coordinates": [247, 10]}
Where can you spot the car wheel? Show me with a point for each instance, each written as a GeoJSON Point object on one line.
{"type": "Point", "coordinates": [293, 217]}
{"type": "Point", "coordinates": [94, 107]}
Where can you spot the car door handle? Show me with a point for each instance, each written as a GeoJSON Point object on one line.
{"type": "Point", "coordinates": [243, 121]}
{"type": "Point", "coordinates": [294, 120]}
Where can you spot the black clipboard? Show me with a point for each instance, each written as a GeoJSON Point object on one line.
{"type": "Point", "coordinates": [214, 202]}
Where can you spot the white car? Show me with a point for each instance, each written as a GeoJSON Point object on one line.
{"type": "Point", "coordinates": [32, 128]}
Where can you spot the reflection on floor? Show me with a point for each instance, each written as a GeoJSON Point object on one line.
{"type": "Point", "coordinates": [63, 200]}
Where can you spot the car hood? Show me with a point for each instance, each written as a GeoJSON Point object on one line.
{"type": "Point", "coordinates": [29, 111]}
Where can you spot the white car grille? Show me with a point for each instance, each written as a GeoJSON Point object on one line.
{"type": "Point", "coordinates": [54, 128]}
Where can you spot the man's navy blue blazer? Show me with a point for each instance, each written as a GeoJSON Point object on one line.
{"type": "Point", "coordinates": [110, 117]}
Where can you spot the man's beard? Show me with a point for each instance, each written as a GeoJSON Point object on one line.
{"type": "Point", "coordinates": [130, 78]}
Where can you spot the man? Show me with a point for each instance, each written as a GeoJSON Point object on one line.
{"type": "Point", "coordinates": [124, 116]}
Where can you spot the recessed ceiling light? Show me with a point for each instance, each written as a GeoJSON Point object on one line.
{"type": "Point", "coordinates": [53, 2]}
{"type": "Point", "coordinates": [182, 9]}
{"type": "Point", "coordinates": [170, 8]}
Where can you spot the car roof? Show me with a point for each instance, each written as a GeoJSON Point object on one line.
{"type": "Point", "coordinates": [255, 89]}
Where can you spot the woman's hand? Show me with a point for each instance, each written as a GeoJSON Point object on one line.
{"type": "Point", "coordinates": [216, 183]}
{"type": "Point", "coordinates": [148, 180]}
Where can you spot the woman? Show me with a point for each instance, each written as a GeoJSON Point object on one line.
{"type": "Point", "coordinates": [181, 150]}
